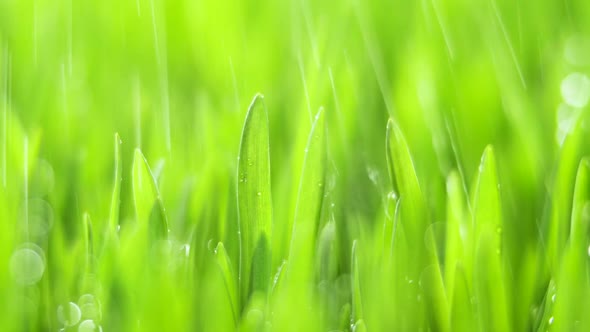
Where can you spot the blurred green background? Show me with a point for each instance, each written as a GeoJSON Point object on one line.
{"type": "Point", "coordinates": [174, 78]}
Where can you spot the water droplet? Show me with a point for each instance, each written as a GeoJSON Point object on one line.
{"type": "Point", "coordinates": [187, 249]}
{"type": "Point", "coordinates": [410, 281]}
{"type": "Point", "coordinates": [259, 194]}
{"type": "Point", "coordinates": [551, 320]}
{"type": "Point", "coordinates": [40, 218]}
{"type": "Point", "coordinates": [42, 180]}
{"type": "Point", "coordinates": [553, 298]}
{"type": "Point", "coordinates": [320, 184]}
{"type": "Point", "coordinates": [392, 196]}
{"type": "Point", "coordinates": [89, 326]}
{"type": "Point", "coordinates": [69, 314]}
{"type": "Point", "coordinates": [499, 230]}
{"type": "Point", "coordinates": [27, 264]}
{"type": "Point", "coordinates": [575, 89]}
{"type": "Point", "coordinates": [498, 251]}
{"type": "Point", "coordinates": [90, 307]}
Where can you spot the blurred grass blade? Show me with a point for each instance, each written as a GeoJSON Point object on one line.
{"type": "Point", "coordinates": [456, 215]}
{"type": "Point", "coordinates": [414, 214]}
{"type": "Point", "coordinates": [462, 318]}
{"type": "Point", "coordinates": [573, 282]}
{"type": "Point", "coordinates": [309, 204]}
{"type": "Point", "coordinates": [357, 303]}
{"type": "Point", "coordinates": [561, 195]}
{"type": "Point", "coordinates": [149, 209]}
{"type": "Point", "coordinates": [254, 202]}
{"type": "Point", "coordinates": [489, 282]}
{"type": "Point", "coordinates": [580, 206]}
{"type": "Point", "coordinates": [327, 262]}
{"type": "Point", "coordinates": [115, 198]}
{"type": "Point", "coordinates": [434, 291]}
{"type": "Point", "coordinates": [88, 243]}
{"type": "Point", "coordinates": [487, 207]}
{"type": "Point", "coordinates": [224, 264]}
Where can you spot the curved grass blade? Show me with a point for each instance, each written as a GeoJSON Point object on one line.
{"type": "Point", "coordinates": [489, 283]}
{"type": "Point", "coordinates": [116, 195]}
{"type": "Point", "coordinates": [149, 209]}
{"type": "Point", "coordinates": [309, 204]}
{"type": "Point", "coordinates": [254, 202]}
{"type": "Point", "coordinates": [224, 264]}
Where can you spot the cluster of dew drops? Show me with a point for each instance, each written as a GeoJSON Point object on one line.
{"type": "Point", "coordinates": [28, 261]}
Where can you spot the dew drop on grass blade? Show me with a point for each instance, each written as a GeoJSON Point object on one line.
{"type": "Point", "coordinates": [489, 283]}
{"type": "Point", "coordinates": [224, 264]}
{"type": "Point", "coordinates": [309, 204]}
{"type": "Point", "coordinates": [115, 198]}
{"type": "Point", "coordinates": [149, 209]}
{"type": "Point", "coordinates": [254, 202]}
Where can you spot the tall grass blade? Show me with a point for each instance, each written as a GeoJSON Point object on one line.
{"type": "Point", "coordinates": [254, 202]}
{"type": "Point", "coordinates": [116, 195]}
{"type": "Point", "coordinates": [489, 282]}
{"type": "Point", "coordinates": [309, 204]}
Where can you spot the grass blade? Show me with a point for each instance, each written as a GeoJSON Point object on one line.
{"type": "Point", "coordinates": [309, 203]}
{"type": "Point", "coordinates": [88, 243]}
{"type": "Point", "coordinates": [414, 214]}
{"type": "Point", "coordinates": [572, 281]}
{"type": "Point", "coordinates": [456, 215]}
{"type": "Point", "coordinates": [462, 318]}
{"type": "Point", "coordinates": [254, 202]}
{"type": "Point", "coordinates": [225, 267]}
{"type": "Point", "coordinates": [489, 284]}
{"type": "Point", "coordinates": [115, 198]}
{"type": "Point", "coordinates": [149, 209]}
{"type": "Point", "coordinates": [561, 197]}
{"type": "Point", "coordinates": [357, 303]}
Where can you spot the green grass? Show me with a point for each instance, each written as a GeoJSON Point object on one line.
{"type": "Point", "coordinates": [416, 165]}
